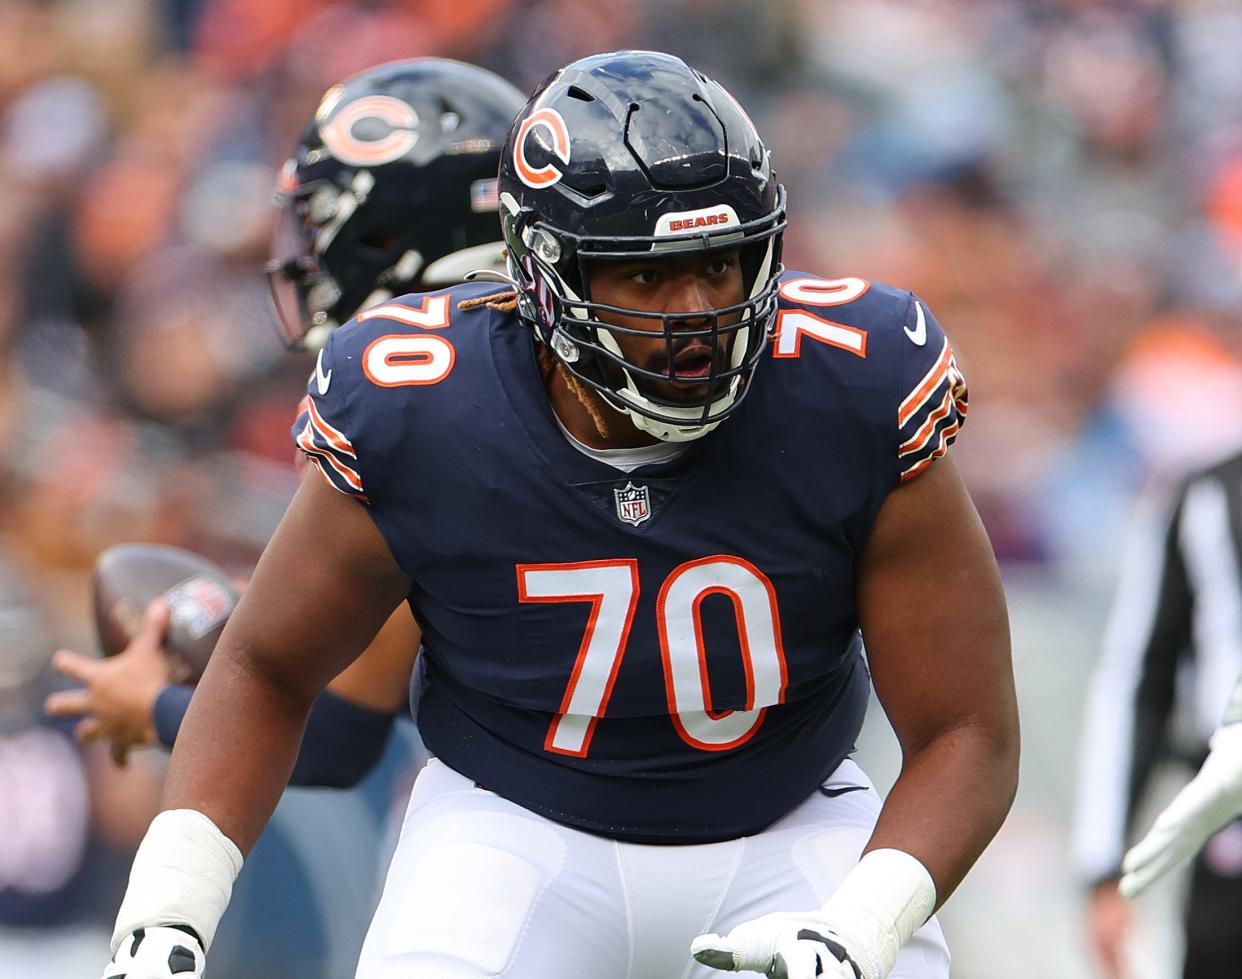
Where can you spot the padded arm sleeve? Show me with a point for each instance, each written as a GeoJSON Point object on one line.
{"type": "Point", "coordinates": [343, 741]}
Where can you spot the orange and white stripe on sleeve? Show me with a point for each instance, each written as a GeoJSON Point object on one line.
{"type": "Point", "coordinates": [325, 446]}
{"type": "Point", "coordinates": [935, 404]}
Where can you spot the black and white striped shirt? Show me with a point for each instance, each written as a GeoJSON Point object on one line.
{"type": "Point", "coordinates": [1175, 636]}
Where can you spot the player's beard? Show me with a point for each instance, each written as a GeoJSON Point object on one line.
{"type": "Point", "coordinates": [693, 354]}
{"type": "Point", "coordinates": [692, 358]}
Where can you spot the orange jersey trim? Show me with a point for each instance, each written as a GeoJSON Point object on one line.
{"type": "Point", "coordinates": [928, 428]}
{"type": "Point", "coordinates": [946, 439]}
{"type": "Point", "coordinates": [926, 387]}
{"type": "Point", "coordinates": [332, 436]}
{"type": "Point", "coordinates": [306, 443]}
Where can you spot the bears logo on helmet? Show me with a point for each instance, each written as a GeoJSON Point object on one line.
{"type": "Point", "coordinates": [371, 131]}
{"type": "Point", "coordinates": [389, 191]}
{"type": "Point", "coordinates": [549, 173]}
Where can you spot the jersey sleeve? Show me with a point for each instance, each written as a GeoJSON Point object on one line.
{"type": "Point", "coordinates": [320, 430]}
{"type": "Point", "coordinates": [933, 398]}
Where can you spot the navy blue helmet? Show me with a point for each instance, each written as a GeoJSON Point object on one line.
{"type": "Point", "coordinates": [619, 156]}
{"type": "Point", "coordinates": [391, 189]}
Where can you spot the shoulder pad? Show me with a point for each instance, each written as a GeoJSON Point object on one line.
{"type": "Point", "coordinates": [840, 313]}
{"type": "Point", "coordinates": [397, 344]}
{"type": "Point", "coordinates": [892, 334]}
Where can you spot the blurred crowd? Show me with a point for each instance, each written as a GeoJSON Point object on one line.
{"type": "Point", "coordinates": [1060, 180]}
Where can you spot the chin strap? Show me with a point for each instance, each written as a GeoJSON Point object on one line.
{"type": "Point", "coordinates": [670, 429]}
{"type": "Point", "coordinates": [667, 431]}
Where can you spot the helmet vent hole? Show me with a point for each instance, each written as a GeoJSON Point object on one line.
{"type": "Point", "coordinates": [582, 96]}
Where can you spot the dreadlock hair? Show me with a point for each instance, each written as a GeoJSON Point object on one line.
{"type": "Point", "coordinates": [548, 363]}
{"type": "Point", "coordinates": [506, 302]}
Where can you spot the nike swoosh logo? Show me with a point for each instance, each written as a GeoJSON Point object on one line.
{"type": "Point", "coordinates": [322, 380]}
{"type": "Point", "coordinates": [919, 333]}
{"type": "Point", "coordinates": [832, 791]}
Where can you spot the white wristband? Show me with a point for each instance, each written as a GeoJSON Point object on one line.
{"type": "Point", "coordinates": [879, 906]}
{"type": "Point", "coordinates": [183, 875]}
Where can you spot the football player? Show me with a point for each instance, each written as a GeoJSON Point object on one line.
{"type": "Point", "coordinates": [641, 499]}
{"type": "Point", "coordinates": [390, 189]}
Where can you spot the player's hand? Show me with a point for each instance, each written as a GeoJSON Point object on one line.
{"type": "Point", "coordinates": [158, 953]}
{"type": "Point", "coordinates": [1108, 928]}
{"type": "Point", "coordinates": [783, 946]}
{"type": "Point", "coordinates": [118, 694]}
{"type": "Point", "coordinates": [1210, 801]}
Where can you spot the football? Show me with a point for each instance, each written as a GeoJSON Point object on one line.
{"type": "Point", "coordinates": [128, 577]}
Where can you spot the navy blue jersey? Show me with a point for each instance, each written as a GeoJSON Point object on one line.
{"type": "Point", "coordinates": [669, 655]}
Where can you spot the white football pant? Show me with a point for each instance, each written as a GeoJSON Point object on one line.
{"type": "Point", "coordinates": [481, 887]}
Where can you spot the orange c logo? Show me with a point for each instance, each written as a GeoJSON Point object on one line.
{"type": "Point", "coordinates": [548, 174]}
{"type": "Point", "coordinates": [338, 135]}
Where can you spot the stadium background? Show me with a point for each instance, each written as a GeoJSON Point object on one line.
{"type": "Point", "coordinates": [1060, 181]}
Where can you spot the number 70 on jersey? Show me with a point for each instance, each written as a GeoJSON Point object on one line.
{"type": "Point", "coordinates": [612, 587]}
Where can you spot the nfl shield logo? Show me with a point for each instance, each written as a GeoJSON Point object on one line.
{"type": "Point", "coordinates": [633, 503]}
{"type": "Point", "coordinates": [199, 604]}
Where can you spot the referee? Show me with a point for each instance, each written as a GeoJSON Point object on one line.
{"type": "Point", "coordinates": [1175, 638]}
